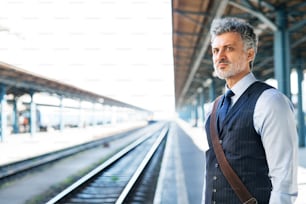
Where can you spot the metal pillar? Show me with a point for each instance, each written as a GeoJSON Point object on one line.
{"type": "Point", "coordinates": [301, 120]}
{"type": "Point", "coordinates": [15, 117]}
{"type": "Point", "coordinates": [282, 52]}
{"type": "Point", "coordinates": [2, 114]}
{"type": "Point", "coordinates": [212, 90]}
{"type": "Point", "coordinates": [202, 101]}
{"type": "Point", "coordinates": [32, 115]}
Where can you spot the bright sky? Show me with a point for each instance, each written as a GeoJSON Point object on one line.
{"type": "Point", "coordinates": [118, 48]}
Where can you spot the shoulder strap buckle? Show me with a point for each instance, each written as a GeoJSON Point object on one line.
{"type": "Point", "coordinates": [251, 201]}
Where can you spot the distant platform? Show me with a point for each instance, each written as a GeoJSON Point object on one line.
{"type": "Point", "coordinates": [16, 147]}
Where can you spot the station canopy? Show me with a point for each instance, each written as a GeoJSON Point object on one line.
{"type": "Point", "coordinates": [19, 82]}
{"type": "Point", "coordinates": [193, 66]}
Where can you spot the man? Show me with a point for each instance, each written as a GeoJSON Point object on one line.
{"type": "Point", "coordinates": [258, 135]}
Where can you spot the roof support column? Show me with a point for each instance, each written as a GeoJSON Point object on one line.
{"type": "Point", "coordinates": [301, 120]}
{"type": "Point", "coordinates": [2, 114]}
{"type": "Point", "coordinates": [212, 90]}
{"type": "Point", "coordinates": [32, 115]}
{"type": "Point", "coordinates": [201, 103]}
{"type": "Point", "coordinates": [15, 116]}
{"type": "Point", "coordinates": [282, 52]}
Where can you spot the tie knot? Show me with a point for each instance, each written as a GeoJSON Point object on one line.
{"type": "Point", "coordinates": [229, 93]}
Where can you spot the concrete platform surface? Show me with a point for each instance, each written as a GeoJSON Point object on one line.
{"type": "Point", "coordinates": [16, 147]}
{"type": "Point", "coordinates": [197, 134]}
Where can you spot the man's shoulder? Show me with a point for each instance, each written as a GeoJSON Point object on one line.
{"type": "Point", "coordinates": [274, 98]}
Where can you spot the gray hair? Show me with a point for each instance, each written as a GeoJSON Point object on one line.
{"type": "Point", "coordinates": [231, 24]}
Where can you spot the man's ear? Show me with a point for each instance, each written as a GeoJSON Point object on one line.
{"type": "Point", "coordinates": [251, 54]}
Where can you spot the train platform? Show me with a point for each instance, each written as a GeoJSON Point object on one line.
{"type": "Point", "coordinates": [189, 179]}
{"type": "Point", "coordinates": [16, 147]}
{"type": "Point", "coordinates": [182, 171]}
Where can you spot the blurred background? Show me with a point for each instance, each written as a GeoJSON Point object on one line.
{"type": "Point", "coordinates": [119, 49]}
{"type": "Point", "coordinates": [75, 73]}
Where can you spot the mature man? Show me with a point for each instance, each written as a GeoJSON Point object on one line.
{"type": "Point", "coordinates": [257, 134]}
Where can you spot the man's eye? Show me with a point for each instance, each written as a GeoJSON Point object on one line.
{"type": "Point", "coordinates": [229, 49]}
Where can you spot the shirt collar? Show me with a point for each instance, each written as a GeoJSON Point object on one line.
{"type": "Point", "coordinates": [242, 85]}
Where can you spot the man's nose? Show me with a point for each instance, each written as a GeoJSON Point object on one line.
{"type": "Point", "coordinates": [220, 55]}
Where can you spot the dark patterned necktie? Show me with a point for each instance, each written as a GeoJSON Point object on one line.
{"type": "Point", "coordinates": [224, 107]}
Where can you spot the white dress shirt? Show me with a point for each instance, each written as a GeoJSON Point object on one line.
{"type": "Point", "coordinates": [274, 121]}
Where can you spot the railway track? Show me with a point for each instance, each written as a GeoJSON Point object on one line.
{"type": "Point", "coordinates": [14, 169]}
{"type": "Point", "coordinates": [129, 176]}
{"type": "Point", "coordinates": [10, 171]}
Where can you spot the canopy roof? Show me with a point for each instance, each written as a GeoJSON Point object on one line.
{"type": "Point", "coordinates": [191, 40]}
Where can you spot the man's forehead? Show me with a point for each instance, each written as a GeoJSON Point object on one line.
{"type": "Point", "coordinates": [226, 39]}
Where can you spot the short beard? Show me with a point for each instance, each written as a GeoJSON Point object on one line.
{"type": "Point", "coordinates": [234, 70]}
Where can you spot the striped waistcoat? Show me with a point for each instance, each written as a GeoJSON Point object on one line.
{"type": "Point", "coordinates": [244, 151]}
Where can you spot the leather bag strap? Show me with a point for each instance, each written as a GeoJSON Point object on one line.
{"type": "Point", "coordinates": [230, 175]}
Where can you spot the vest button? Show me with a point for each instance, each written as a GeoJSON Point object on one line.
{"type": "Point", "coordinates": [214, 190]}
{"type": "Point", "coordinates": [216, 165]}
{"type": "Point", "coordinates": [214, 202]}
{"type": "Point", "coordinates": [215, 177]}
{"type": "Point", "coordinates": [220, 141]}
